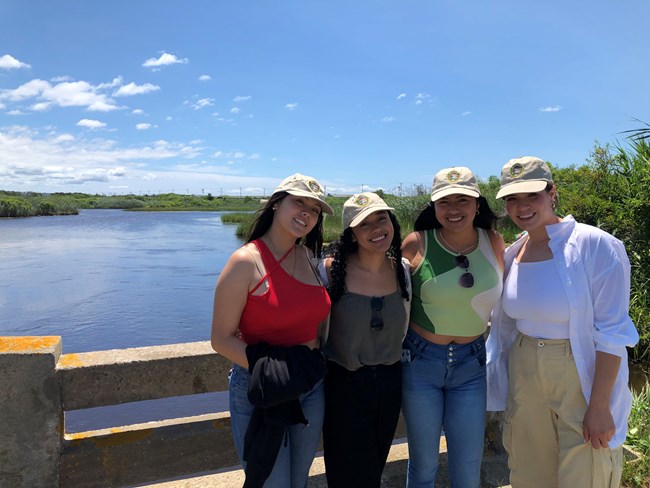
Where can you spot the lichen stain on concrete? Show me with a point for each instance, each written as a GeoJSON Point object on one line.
{"type": "Point", "coordinates": [70, 361]}
{"type": "Point", "coordinates": [27, 343]}
{"type": "Point", "coordinates": [220, 424]}
{"type": "Point", "coordinates": [118, 437]}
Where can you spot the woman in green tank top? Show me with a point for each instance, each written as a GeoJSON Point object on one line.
{"type": "Point", "coordinates": [457, 267]}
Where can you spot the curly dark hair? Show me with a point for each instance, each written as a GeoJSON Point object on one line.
{"type": "Point", "coordinates": [340, 249]}
{"type": "Point", "coordinates": [485, 219]}
{"type": "Point", "coordinates": [313, 240]}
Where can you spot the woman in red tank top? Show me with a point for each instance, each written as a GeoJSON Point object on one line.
{"type": "Point", "coordinates": [269, 293]}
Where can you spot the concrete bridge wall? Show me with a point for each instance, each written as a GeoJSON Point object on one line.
{"type": "Point", "coordinates": [38, 385]}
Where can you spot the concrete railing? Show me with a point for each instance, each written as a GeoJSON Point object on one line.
{"type": "Point", "coordinates": [38, 385]}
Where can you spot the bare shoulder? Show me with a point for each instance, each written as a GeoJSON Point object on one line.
{"type": "Point", "coordinates": [412, 244]}
{"type": "Point", "coordinates": [496, 239]}
{"type": "Point", "coordinates": [242, 263]}
{"type": "Point", "coordinates": [498, 245]}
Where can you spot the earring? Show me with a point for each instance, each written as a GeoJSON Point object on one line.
{"type": "Point", "coordinates": [275, 207]}
{"type": "Point", "coordinates": [478, 211]}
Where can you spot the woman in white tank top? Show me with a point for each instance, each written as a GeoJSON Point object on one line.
{"type": "Point", "coordinates": [557, 345]}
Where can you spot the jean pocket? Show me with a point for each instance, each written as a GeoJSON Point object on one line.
{"type": "Point", "coordinates": [481, 358]}
{"type": "Point", "coordinates": [406, 355]}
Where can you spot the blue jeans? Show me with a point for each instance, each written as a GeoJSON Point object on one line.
{"type": "Point", "coordinates": [291, 469]}
{"type": "Point", "coordinates": [444, 387]}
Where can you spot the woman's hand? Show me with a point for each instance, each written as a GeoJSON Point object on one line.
{"type": "Point", "coordinates": [598, 426]}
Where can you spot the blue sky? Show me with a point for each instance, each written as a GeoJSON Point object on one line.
{"type": "Point", "coordinates": [229, 97]}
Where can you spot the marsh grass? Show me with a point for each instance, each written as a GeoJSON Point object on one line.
{"type": "Point", "coordinates": [636, 472]}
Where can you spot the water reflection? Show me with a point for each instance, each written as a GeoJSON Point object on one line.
{"type": "Point", "coordinates": [110, 279]}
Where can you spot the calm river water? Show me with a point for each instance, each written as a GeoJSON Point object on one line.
{"type": "Point", "coordinates": [108, 279]}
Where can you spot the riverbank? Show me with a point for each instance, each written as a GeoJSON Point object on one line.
{"type": "Point", "coordinates": [31, 204]}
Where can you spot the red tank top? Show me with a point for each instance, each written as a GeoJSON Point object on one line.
{"type": "Point", "coordinates": [288, 312]}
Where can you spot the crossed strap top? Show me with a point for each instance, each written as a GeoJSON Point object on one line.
{"type": "Point", "coordinates": [288, 312]}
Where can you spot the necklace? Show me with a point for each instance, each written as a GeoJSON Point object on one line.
{"type": "Point", "coordinates": [453, 249]}
{"type": "Point", "coordinates": [537, 244]}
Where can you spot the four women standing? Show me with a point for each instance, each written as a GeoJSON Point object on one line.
{"type": "Point", "coordinates": [556, 350]}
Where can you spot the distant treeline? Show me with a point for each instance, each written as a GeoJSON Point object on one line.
{"type": "Point", "coordinates": [29, 204]}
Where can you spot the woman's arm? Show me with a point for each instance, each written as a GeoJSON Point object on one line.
{"type": "Point", "coordinates": [598, 425]}
{"type": "Point", "coordinates": [413, 248]}
{"type": "Point", "coordinates": [498, 246]}
{"type": "Point", "coordinates": [230, 297]}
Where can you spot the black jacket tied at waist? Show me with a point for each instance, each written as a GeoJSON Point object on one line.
{"type": "Point", "coordinates": [279, 375]}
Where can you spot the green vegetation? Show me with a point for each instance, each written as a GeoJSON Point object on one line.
{"type": "Point", "coordinates": [636, 473]}
{"type": "Point", "coordinates": [15, 204]}
{"type": "Point", "coordinates": [30, 204]}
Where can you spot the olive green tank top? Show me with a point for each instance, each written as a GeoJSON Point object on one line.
{"type": "Point", "coordinates": [440, 304]}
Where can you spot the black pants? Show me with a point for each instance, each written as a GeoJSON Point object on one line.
{"type": "Point", "coordinates": [361, 413]}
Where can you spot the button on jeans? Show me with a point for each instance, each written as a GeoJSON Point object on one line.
{"type": "Point", "coordinates": [291, 469]}
{"type": "Point", "coordinates": [444, 387]}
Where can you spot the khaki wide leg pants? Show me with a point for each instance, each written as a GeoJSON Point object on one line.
{"type": "Point", "coordinates": [543, 422]}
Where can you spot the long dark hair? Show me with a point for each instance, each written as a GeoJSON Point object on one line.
{"type": "Point", "coordinates": [262, 223]}
{"type": "Point", "coordinates": [484, 219]}
{"type": "Point", "coordinates": [340, 249]}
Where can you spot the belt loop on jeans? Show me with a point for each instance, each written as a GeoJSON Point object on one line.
{"type": "Point", "coordinates": [520, 340]}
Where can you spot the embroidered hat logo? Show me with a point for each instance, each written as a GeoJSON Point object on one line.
{"type": "Point", "coordinates": [516, 170]}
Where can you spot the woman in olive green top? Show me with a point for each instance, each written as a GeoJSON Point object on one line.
{"type": "Point", "coordinates": [369, 288]}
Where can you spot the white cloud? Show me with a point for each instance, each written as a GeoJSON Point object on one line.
{"type": "Point", "coordinates": [149, 177]}
{"type": "Point", "coordinates": [254, 156]}
{"type": "Point", "coordinates": [388, 118]}
{"type": "Point", "coordinates": [133, 89]}
{"type": "Point", "coordinates": [7, 61]}
{"type": "Point", "coordinates": [2, 106]}
{"type": "Point", "coordinates": [138, 111]}
{"type": "Point", "coordinates": [217, 154]}
{"type": "Point", "coordinates": [143, 126]}
{"type": "Point", "coordinates": [165, 59]}
{"type": "Point", "coordinates": [32, 160]}
{"type": "Point", "coordinates": [291, 106]}
{"type": "Point", "coordinates": [401, 95]}
{"type": "Point", "coordinates": [240, 98]}
{"type": "Point", "coordinates": [238, 155]}
{"type": "Point", "coordinates": [466, 113]}
{"type": "Point", "coordinates": [64, 94]}
{"type": "Point", "coordinates": [202, 103]}
{"type": "Point", "coordinates": [551, 108]}
{"type": "Point", "coordinates": [168, 118]}
{"type": "Point", "coordinates": [58, 79]}
{"type": "Point", "coordinates": [234, 110]}
{"type": "Point", "coordinates": [205, 78]}
{"type": "Point", "coordinates": [15, 112]}
{"type": "Point", "coordinates": [422, 97]}
{"type": "Point", "coordinates": [91, 124]}
{"type": "Point", "coordinates": [63, 138]}
{"type": "Point", "coordinates": [40, 107]}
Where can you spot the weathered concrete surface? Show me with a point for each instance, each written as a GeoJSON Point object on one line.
{"type": "Point", "coordinates": [494, 473]}
{"type": "Point", "coordinates": [111, 377]}
{"type": "Point", "coordinates": [138, 453]}
{"type": "Point", "coordinates": [31, 418]}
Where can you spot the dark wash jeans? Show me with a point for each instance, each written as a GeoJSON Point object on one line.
{"type": "Point", "coordinates": [361, 412]}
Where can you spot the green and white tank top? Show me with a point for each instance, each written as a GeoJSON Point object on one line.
{"type": "Point", "coordinates": [440, 305]}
